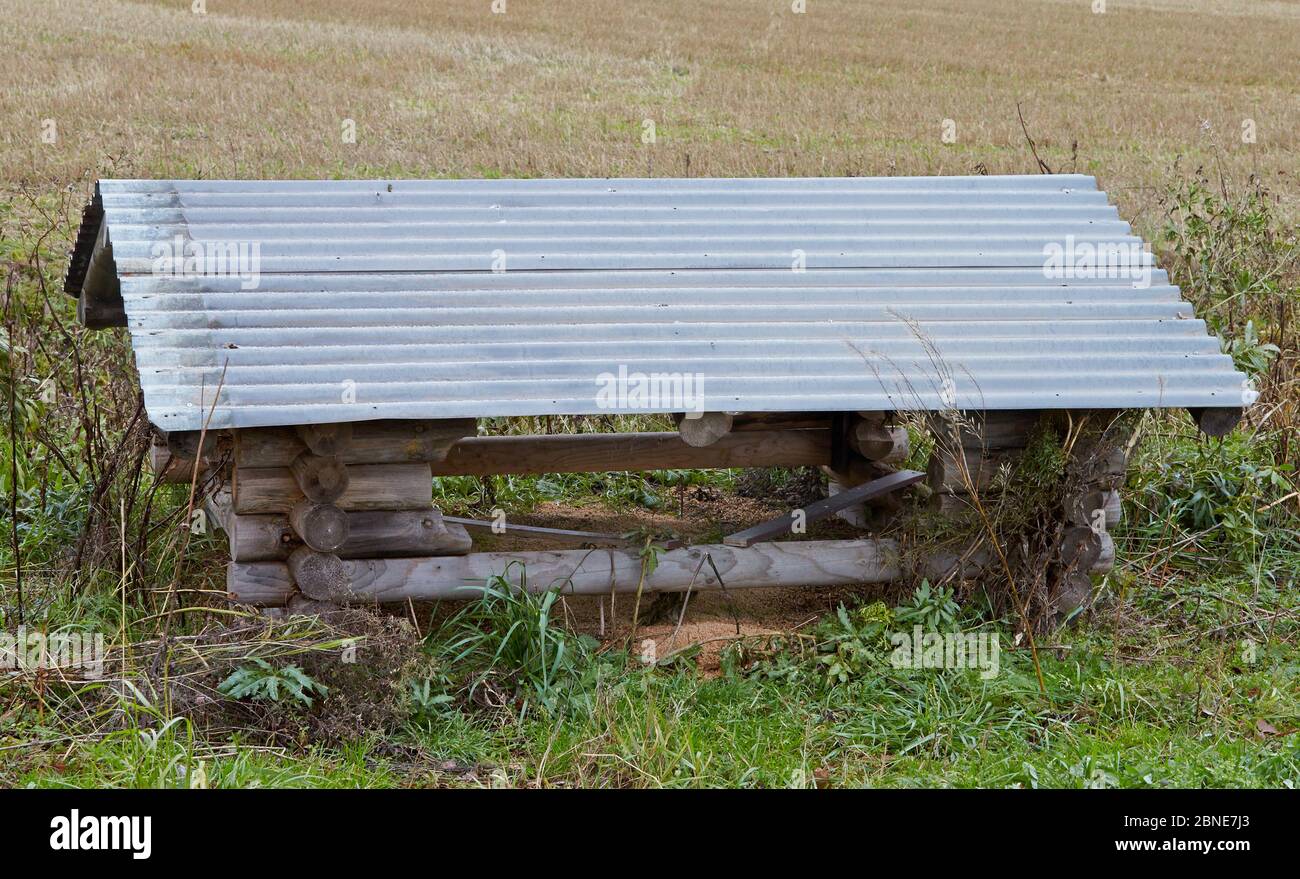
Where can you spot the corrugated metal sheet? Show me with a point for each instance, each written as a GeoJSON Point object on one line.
{"type": "Point", "coordinates": [480, 298]}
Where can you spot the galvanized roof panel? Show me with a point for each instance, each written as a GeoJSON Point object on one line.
{"type": "Point", "coordinates": [482, 298]}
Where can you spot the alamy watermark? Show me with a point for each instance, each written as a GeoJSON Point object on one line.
{"type": "Point", "coordinates": [625, 391]}
{"type": "Point", "coordinates": [1085, 260]}
{"type": "Point", "coordinates": [179, 258]}
{"type": "Point", "coordinates": [67, 651]}
{"type": "Point", "coordinates": [77, 832]}
{"type": "Point", "coordinates": [922, 649]}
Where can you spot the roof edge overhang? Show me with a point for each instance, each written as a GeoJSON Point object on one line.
{"type": "Point", "coordinates": [92, 272]}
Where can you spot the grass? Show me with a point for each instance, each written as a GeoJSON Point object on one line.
{"type": "Point", "coordinates": [1185, 675]}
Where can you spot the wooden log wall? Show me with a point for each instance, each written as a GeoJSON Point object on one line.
{"type": "Point", "coordinates": [314, 500]}
{"type": "Point", "coordinates": [320, 513]}
{"type": "Point", "coordinates": [327, 512]}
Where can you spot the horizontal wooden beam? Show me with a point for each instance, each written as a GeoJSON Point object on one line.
{"type": "Point", "coordinates": [365, 442]}
{"type": "Point", "coordinates": [601, 452]}
{"type": "Point", "coordinates": [587, 572]}
{"type": "Point", "coordinates": [370, 534]}
{"type": "Point", "coordinates": [369, 487]}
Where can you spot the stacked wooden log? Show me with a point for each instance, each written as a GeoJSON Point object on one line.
{"type": "Point", "coordinates": [330, 513]}
{"type": "Point", "coordinates": [303, 506]}
{"type": "Point", "coordinates": [972, 455]}
{"type": "Point", "coordinates": [1092, 507]}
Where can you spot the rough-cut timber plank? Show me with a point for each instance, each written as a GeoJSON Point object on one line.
{"type": "Point", "coordinates": [371, 534]}
{"type": "Point", "coordinates": [322, 479]}
{"type": "Point", "coordinates": [705, 428]}
{"type": "Point", "coordinates": [559, 534]}
{"type": "Point", "coordinates": [370, 487]}
{"type": "Point", "coordinates": [599, 452]}
{"type": "Point", "coordinates": [373, 442]}
{"type": "Point", "coordinates": [588, 572]}
{"type": "Point", "coordinates": [818, 510]}
{"type": "Point", "coordinates": [323, 527]}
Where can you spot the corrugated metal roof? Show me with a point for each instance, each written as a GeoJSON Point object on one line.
{"type": "Point", "coordinates": [481, 298]}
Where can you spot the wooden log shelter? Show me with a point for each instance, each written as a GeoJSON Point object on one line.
{"type": "Point", "coordinates": [318, 352]}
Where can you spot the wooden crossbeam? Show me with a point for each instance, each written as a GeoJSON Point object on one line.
{"type": "Point", "coordinates": [826, 507]}
{"type": "Point", "coordinates": [577, 571]}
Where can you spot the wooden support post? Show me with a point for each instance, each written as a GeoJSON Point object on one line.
{"type": "Point", "coordinates": [700, 429]}
{"type": "Point", "coordinates": [972, 449]}
{"type": "Point", "coordinates": [169, 468]}
{"type": "Point", "coordinates": [997, 428]}
{"type": "Point", "coordinates": [781, 421]}
{"type": "Point", "coordinates": [578, 571]}
{"type": "Point", "coordinates": [944, 471]}
{"type": "Point", "coordinates": [369, 487]}
{"type": "Point", "coordinates": [855, 471]}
